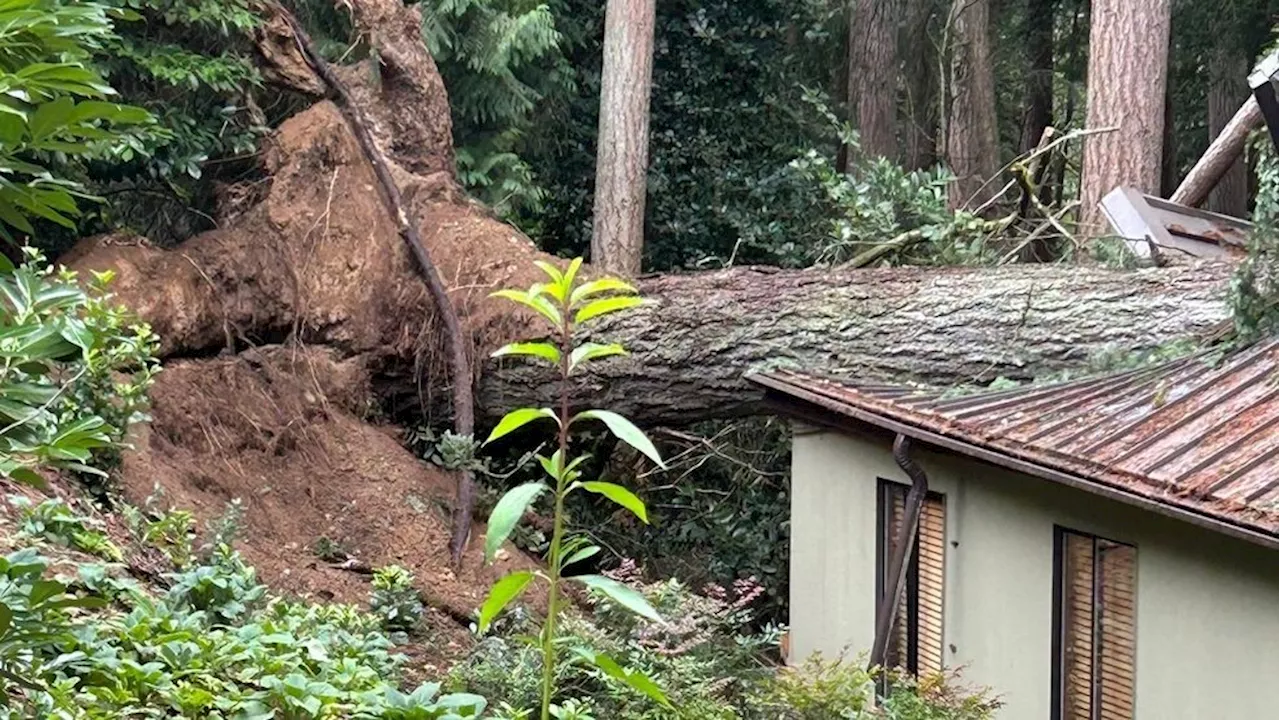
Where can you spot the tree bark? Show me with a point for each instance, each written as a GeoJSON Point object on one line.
{"type": "Point", "coordinates": [1223, 152]}
{"type": "Point", "coordinates": [972, 150]}
{"type": "Point", "coordinates": [873, 75]}
{"type": "Point", "coordinates": [622, 155]}
{"type": "Point", "coordinates": [1128, 65]}
{"type": "Point", "coordinates": [692, 348]}
{"type": "Point", "coordinates": [919, 64]}
{"type": "Point", "coordinates": [1038, 96]}
{"type": "Point", "coordinates": [1227, 88]}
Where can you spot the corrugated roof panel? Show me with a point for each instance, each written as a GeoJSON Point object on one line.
{"type": "Point", "coordinates": [1199, 433]}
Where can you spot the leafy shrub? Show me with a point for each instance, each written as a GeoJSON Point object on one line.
{"type": "Point", "coordinates": [175, 658]}
{"type": "Point", "coordinates": [53, 519]}
{"type": "Point", "coordinates": [822, 689]}
{"type": "Point", "coordinates": [75, 375]}
{"type": "Point", "coordinates": [58, 106]}
{"type": "Point", "coordinates": [36, 623]}
{"type": "Point", "coordinates": [395, 600]}
{"type": "Point", "coordinates": [705, 659]}
{"type": "Point", "coordinates": [226, 590]}
{"type": "Point", "coordinates": [172, 532]}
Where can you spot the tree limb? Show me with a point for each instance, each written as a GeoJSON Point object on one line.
{"type": "Point", "coordinates": [407, 227]}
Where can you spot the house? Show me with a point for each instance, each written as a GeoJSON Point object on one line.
{"type": "Point", "coordinates": [1102, 548]}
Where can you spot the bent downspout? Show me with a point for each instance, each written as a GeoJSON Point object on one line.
{"type": "Point", "coordinates": [903, 546]}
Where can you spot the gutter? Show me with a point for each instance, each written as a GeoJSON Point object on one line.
{"type": "Point", "coordinates": [904, 545]}
{"type": "Point", "coordinates": [793, 393]}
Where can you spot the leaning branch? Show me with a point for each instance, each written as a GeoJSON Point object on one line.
{"type": "Point", "coordinates": [1222, 152]}
{"type": "Point", "coordinates": [459, 363]}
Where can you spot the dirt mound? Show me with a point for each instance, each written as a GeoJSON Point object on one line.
{"type": "Point", "coordinates": [279, 428]}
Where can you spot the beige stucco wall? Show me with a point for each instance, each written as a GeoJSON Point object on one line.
{"type": "Point", "coordinates": [1207, 604]}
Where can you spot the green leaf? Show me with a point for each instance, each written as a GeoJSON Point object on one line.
{"type": "Point", "coordinates": [551, 270]}
{"type": "Point", "coordinates": [532, 300]}
{"type": "Point", "coordinates": [580, 555]}
{"type": "Point", "coordinates": [502, 593]}
{"type": "Point", "coordinates": [517, 419]}
{"type": "Point", "coordinates": [625, 431]}
{"type": "Point", "coordinates": [546, 351]}
{"type": "Point", "coordinates": [592, 351]}
{"type": "Point", "coordinates": [595, 287]}
{"type": "Point", "coordinates": [506, 514]}
{"type": "Point", "coordinates": [621, 594]}
{"type": "Point", "coordinates": [634, 678]}
{"type": "Point", "coordinates": [572, 271]}
{"type": "Point", "coordinates": [607, 305]}
{"type": "Point", "coordinates": [621, 496]}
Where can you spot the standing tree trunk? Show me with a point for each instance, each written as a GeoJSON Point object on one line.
{"type": "Point", "coordinates": [1227, 88]}
{"type": "Point", "coordinates": [622, 155]}
{"type": "Point", "coordinates": [873, 66]}
{"type": "Point", "coordinates": [972, 150]}
{"type": "Point", "coordinates": [1128, 65]}
{"type": "Point", "coordinates": [919, 62]}
{"type": "Point", "coordinates": [1038, 99]}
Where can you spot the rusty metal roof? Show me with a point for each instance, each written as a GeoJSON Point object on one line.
{"type": "Point", "coordinates": [1197, 435]}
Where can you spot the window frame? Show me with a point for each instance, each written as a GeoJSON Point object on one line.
{"type": "Point", "coordinates": [1057, 695]}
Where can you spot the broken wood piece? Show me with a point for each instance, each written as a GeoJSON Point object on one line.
{"type": "Point", "coordinates": [1223, 151]}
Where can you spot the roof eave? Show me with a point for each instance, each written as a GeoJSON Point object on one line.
{"type": "Point", "coordinates": [791, 394]}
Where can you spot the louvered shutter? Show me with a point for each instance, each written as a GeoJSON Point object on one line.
{"type": "Point", "coordinates": [1116, 630]}
{"type": "Point", "coordinates": [897, 652]}
{"type": "Point", "coordinates": [921, 607]}
{"type": "Point", "coordinates": [930, 560]}
{"type": "Point", "coordinates": [1077, 627]}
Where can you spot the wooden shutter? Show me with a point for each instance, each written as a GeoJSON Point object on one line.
{"type": "Point", "coordinates": [1116, 630]}
{"type": "Point", "coordinates": [920, 610]}
{"type": "Point", "coordinates": [1077, 627]}
{"type": "Point", "coordinates": [930, 560]}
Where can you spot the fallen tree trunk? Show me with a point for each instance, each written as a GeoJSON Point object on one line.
{"type": "Point", "coordinates": [319, 262]}
{"type": "Point", "coordinates": [692, 348]}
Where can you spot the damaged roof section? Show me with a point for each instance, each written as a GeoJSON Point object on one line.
{"type": "Point", "coordinates": [1193, 435]}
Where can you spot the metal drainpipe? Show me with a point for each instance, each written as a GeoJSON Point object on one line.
{"type": "Point", "coordinates": [902, 548]}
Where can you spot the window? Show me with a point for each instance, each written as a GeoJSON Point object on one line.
{"type": "Point", "coordinates": [1095, 601]}
{"type": "Point", "coordinates": [915, 640]}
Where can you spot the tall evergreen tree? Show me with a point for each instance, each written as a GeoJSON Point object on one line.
{"type": "Point", "coordinates": [1128, 64]}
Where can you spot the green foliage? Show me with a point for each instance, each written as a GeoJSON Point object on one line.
{"type": "Point", "coordinates": [189, 63]}
{"type": "Point", "coordinates": [172, 532]}
{"type": "Point", "coordinates": [74, 371]}
{"type": "Point", "coordinates": [565, 303]}
{"type": "Point", "coordinates": [710, 663]}
{"type": "Point", "coordinates": [226, 590]}
{"type": "Point", "coordinates": [395, 600]}
{"type": "Point", "coordinates": [54, 520]}
{"type": "Point", "coordinates": [184, 658]}
{"type": "Point", "coordinates": [1255, 291]}
{"type": "Point", "coordinates": [55, 106]}
{"type": "Point", "coordinates": [823, 689]}
{"type": "Point", "coordinates": [500, 59]}
{"type": "Point", "coordinates": [720, 511]}
{"type": "Point", "coordinates": [329, 550]}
